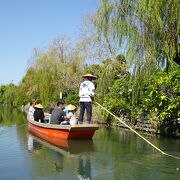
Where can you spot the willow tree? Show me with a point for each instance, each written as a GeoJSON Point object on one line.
{"type": "Point", "coordinates": [9, 95]}
{"type": "Point", "coordinates": [149, 31]}
{"type": "Point", "coordinates": [51, 71]}
{"type": "Point", "coordinates": [95, 49]}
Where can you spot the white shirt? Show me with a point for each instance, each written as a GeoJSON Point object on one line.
{"type": "Point", "coordinates": [86, 91]}
{"type": "Point", "coordinates": [31, 113]}
{"type": "Point", "coordinates": [72, 118]}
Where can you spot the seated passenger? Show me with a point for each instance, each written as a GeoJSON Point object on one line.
{"type": "Point", "coordinates": [65, 120]}
{"type": "Point", "coordinates": [65, 109]}
{"type": "Point", "coordinates": [58, 114]}
{"type": "Point", "coordinates": [49, 115]}
{"type": "Point", "coordinates": [71, 115]}
{"type": "Point", "coordinates": [31, 110]}
{"type": "Point", "coordinates": [39, 113]}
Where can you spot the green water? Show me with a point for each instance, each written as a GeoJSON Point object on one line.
{"type": "Point", "coordinates": [113, 154]}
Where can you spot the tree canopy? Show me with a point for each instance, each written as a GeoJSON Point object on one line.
{"type": "Point", "coordinates": [148, 28]}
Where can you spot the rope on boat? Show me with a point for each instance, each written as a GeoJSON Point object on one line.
{"type": "Point", "coordinates": [155, 147]}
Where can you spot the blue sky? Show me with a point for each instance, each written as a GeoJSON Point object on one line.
{"type": "Point", "coordinates": [28, 24]}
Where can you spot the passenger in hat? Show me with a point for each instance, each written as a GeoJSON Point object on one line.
{"type": "Point", "coordinates": [39, 113]}
{"type": "Point", "coordinates": [72, 114]}
{"type": "Point", "coordinates": [86, 94]}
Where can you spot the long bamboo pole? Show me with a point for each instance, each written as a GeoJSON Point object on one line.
{"type": "Point", "coordinates": [155, 147]}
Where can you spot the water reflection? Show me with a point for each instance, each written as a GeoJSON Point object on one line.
{"type": "Point", "coordinates": [9, 117]}
{"type": "Point", "coordinates": [36, 146]}
{"type": "Point", "coordinates": [58, 157]}
{"type": "Point", "coordinates": [84, 167]}
{"type": "Point", "coordinates": [116, 154]}
{"type": "Point", "coordinates": [33, 145]}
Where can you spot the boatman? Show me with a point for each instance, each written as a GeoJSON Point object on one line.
{"type": "Point", "coordinates": [86, 94]}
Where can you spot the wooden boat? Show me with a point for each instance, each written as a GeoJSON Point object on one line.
{"type": "Point", "coordinates": [57, 133]}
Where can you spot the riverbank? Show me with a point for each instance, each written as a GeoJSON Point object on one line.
{"type": "Point", "coordinates": [165, 128]}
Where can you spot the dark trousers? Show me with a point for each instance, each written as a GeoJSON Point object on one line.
{"type": "Point", "coordinates": [88, 107]}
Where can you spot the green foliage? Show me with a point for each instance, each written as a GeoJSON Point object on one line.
{"type": "Point", "coordinates": [72, 99]}
{"type": "Point", "coordinates": [2, 91]}
{"type": "Point", "coordinates": [147, 29]}
{"type": "Point", "coordinates": [110, 71]}
{"type": "Point", "coordinates": [117, 100]}
{"type": "Point", "coordinates": [120, 89]}
{"type": "Point", "coordinates": [8, 94]}
{"type": "Point", "coordinates": [148, 26]}
{"type": "Point", "coordinates": [117, 106]}
{"type": "Point", "coordinates": [161, 98]}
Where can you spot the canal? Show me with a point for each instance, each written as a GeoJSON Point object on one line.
{"type": "Point", "coordinates": [114, 153]}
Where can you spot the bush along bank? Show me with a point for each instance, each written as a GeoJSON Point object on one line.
{"type": "Point", "coordinates": [157, 109]}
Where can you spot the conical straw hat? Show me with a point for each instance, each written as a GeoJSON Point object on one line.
{"type": "Point", "coordinates": [89, 75]}
{"type": "Point", "coordinates": [71, 107]}
{"type": "Point", "coordinates": [39, 106]}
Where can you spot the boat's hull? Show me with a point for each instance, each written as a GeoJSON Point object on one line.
{"type": "Point", "coordinates": [57, 133]}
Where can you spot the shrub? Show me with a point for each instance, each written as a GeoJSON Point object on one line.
{"type": "Point", "coordinates": [72, 99]}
